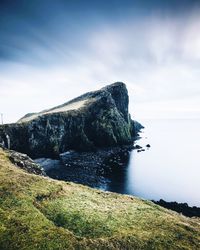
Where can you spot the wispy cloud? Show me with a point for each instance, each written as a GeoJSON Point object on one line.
{"type": "Point", "coordinates": [157, 55]}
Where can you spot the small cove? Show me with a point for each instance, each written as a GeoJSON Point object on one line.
{"type": "Point", "coordinates": [169, 169]}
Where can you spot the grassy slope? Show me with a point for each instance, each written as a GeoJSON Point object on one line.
{"type": "Point", "coordinates": [40, 213]}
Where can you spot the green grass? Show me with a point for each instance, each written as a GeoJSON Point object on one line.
{"type": "Point", "coordinates": [41, 213]}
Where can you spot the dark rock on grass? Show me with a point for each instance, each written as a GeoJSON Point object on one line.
{"type": "Point", "coordinates": [25, 162]}
{"type": "Point", "coordinates": [94, 120]}
{"type": "Point", "coordinates": [180, 208]}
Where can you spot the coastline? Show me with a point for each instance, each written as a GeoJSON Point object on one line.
{"type": "Point", "coordinates": [95, 167]}
{"type": "Point", "coordinates": [181, 208]}
{"type": "Point", "coordinates": [54, 214]}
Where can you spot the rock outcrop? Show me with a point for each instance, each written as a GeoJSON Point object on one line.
{"type": "Point", "coordinates": [24, 162]}
{"type": "Point", "coordinates": [182, 208]}
{"type": "Point", "coordinates": [93, 120]}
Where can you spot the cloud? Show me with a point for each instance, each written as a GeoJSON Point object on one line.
{"type": "Point", "coordinates": [158, 56]}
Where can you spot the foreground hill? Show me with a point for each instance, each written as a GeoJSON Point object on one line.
{"type": "Point", "coordinates": [40, 213]}
{"type": "Point", "coordinates": [95, 119]}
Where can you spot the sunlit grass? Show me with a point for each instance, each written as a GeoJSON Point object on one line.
{"type": "Point", "coordinates": [41, 213]}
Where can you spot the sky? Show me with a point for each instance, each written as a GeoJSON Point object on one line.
{"type": "Point", "coordinates": [54, 50]}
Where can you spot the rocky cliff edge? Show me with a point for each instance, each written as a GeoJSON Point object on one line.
{"type": "Point", "coordinates": [94, 120]}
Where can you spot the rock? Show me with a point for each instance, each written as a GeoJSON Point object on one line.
{"type": "Point", "coordinates": [25, 162]}
{"type": "Point", "coordinates": [90, 168]}
{"type": "Point", "coordinates": [136, 126]}
{"type": "Point", "coordinates": [94, 120]}
{"type": "Point", "coordinates": [148, 145]}
{"type": "Point", "coordinates": [182, 208]}
{"type": "Point", "coordinates": [140, 150]}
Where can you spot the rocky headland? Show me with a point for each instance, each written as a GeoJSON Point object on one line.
{"type": "Point", "coordinates": [91, 133]}
{"type": "Point", "coordinates": [94, 120]}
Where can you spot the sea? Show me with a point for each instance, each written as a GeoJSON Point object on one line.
{"type": "Point", "coordinates": [169, 169]}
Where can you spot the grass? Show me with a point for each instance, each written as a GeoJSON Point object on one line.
{"type": "Point", "coordinates": [41, 213]}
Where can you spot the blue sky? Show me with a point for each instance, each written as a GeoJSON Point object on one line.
{"type": "Point", "coordinates": [52, 51]}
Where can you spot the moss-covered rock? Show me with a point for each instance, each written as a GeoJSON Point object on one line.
{"type": "Point", "coordinates": [95, 119]}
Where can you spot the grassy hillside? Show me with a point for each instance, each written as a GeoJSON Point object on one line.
{"type": "Point", "coordinates": [41, 213]}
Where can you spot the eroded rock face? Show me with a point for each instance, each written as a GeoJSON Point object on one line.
{"type": "Point", "coordinates": [95, 119]}
{"type": "Point", "coordinates": [24, 162]}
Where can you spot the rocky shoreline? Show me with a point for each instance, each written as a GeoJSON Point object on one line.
{"type": "Point", "coordinates": [91, 168]}
{"type": "Point", "coordinates": [95, 168]}
{"type": "Point", "coordinates": [41, 213]}
{"type": "Point", "coordinates": [89, 139]}
{"type": "Point", "coordinates": [182, 208]}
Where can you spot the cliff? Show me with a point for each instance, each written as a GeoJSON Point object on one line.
{"type": "Point", "coordinates": [93, 120]}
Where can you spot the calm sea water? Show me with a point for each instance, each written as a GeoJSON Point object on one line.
{"type": "Point", "coordinates": [169, 169]}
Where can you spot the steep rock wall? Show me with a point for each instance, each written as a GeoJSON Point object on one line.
{"type": "Point", "coordinates": [95, 119]}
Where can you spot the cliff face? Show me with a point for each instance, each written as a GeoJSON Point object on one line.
{"type": "Point", "coordinates": [95, 119]}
